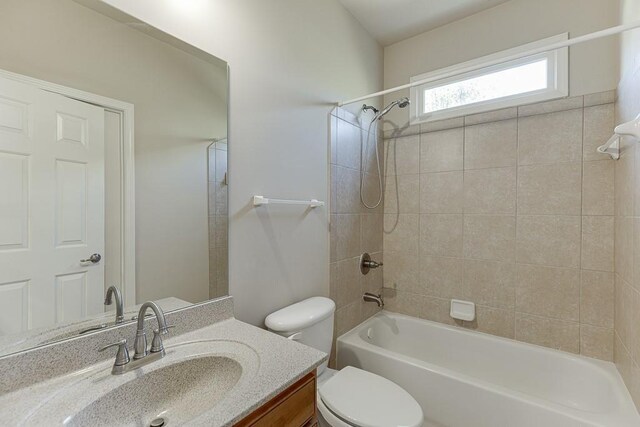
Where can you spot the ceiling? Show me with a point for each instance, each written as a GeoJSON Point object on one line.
{"type": "Point", "coordinates": [390, 21]}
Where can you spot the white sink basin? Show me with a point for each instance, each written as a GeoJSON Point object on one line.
{"type": "Point", "coordinates": [192, 379]}
{"type": "Point", "coordinates": [177, 393]}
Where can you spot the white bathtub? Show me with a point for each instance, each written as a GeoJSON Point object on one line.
{"type": "Point", "coordinates": [465, 378]}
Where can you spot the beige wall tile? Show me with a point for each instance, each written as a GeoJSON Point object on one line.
{"type": "Point", "coordinates": [551, 106]}
{"type": "Point", "coordinates": [333, 238]}
{"type": "Point", "coordinates": [550, 189]}
{"type": "Point", "coordinates": [624, 183]}
{"type": "Point", "coordinates": [402, 194]}
{"type": "Point", "coordinates": [490, 283]}
{"type": "Point", "coordinates": [607, 97]}
{"type": "Point", "coordinates": [548, 292]}
{"type": "Point", "coordinates": [629, 370]}
{"type": "Point", "coordinates": [546, 332]}
{"type": "Point", "coordinates": [404, 302]}
{"type": "Point", "coordinates": [421, 306]}
{"type": "Point", "coordinates": [369, 153]}
{"type": "Point", "coordinates": [437, 125]}
{"type": "Point", "coordinates": [333, 281]}
{"type": "Point", "coordinates": [623, 248]}
{"type": "Point", "coordinates": [333, 197]}
{"type": "Point", "coordinates": [347, 232]}
{"type": "Point", "coordinates": [494, 321]}
{"type": "Point", "coordinates": [596, 342]}
{"type": "Point", "coordinates": [490, 191]}
{"type": "Point", "coordinates": [597, 188]}
{"type": "Point", "coordinates": [634, 315]}
{"type": "Point", "coordinates": [550, 138]}
{"type": "Point", "coordinates": [597, 243]}
{"type": "Point", "coordinates": [347, 317]}
{"type": "Point", "coordinates": [491, 145]}
{"type": "Point", "coordinates": [334, 139]}
{"type": "Point", "coordinates": [437, 310]}
{"type": "Point", "coordinates": [636, 254]}
{"type": "Point", "coordinates": [401, 131]}
{"type": "Point", "coordinates": [211, 197]}
{"type": "Point", "coordinates": [491, 116]}
{"type": "Point", "coordinates": [402, 155]}
{"type": "Point", "coordinates": [401, 233]}
{"type": "Point", "coordinates": [549, 240]}
{"type": "Point", "coordinates": [441, 234]}
{"type": "Point", "coordinates": [401, 271]}
{"type": "Point", "coordinates": [623, 310]}
{"type": "Point", "coordinates": [347, 190]}
{"type": "Point", "coordinates": [489, 237]}
{"type": "Point", "coordinates": [441, 151]}
{"type": "Point", "coordinates": [441, 192]}
{"type": "Point", "coordinates": [440, 277]}
{"type": "Point", "coordinates": [371, 194]}
{"type": "Point", "coordinates": [596, 298]}
{"type": "Point", "coordinates": [374, 280]}
{"type": "Point", "coordinates": [348, 145]}
{"type": "Point", "coordinates": [222, 199]}
{"type": "Point", "coordinates": [598, 128]}
{"type": "Point", "coordinates": [371, 232]}
{"type": "Point", "coordinates": [348, 282]}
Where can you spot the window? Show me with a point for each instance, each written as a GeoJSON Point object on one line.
{"type": "Point", "coordinates": [534, 78]}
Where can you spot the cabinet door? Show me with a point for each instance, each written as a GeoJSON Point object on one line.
{"type": "Point", "coordinates": [295, 407]}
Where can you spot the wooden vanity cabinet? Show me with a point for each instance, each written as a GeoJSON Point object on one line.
{"type": "Point", "coordinates": [294, 407]}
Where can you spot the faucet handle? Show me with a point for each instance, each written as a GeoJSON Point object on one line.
{"type": "Point", "coordinates": [156, 344]}
{"type": "Point", "coordinates": [122, 357]}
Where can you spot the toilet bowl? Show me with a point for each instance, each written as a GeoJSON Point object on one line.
{"type": "Point", "coordinates": [350, 397]}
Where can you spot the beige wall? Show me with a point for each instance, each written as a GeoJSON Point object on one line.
{"type": "Point", "coordinates": [179, 100]}
{"type": "Point", "coordinates": [354, 228]}
{"type": "Point", "coordinates": [593, 66]}
{"type": "Point", "coordinates": [627, 211]}
{"type": "Point", "coordinates": [290, 60]}
{"type": "Point", "coordinates": [512, 210]}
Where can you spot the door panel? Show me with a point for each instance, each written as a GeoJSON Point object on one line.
{"type": "Point", "coordinates": [14, 307]}
{"type": "Point", "coordinates": [51, 207]}
{"type": "Point", "coordinates": [14, 204]}
{"type": "Point", "coordinates": [71, 203]}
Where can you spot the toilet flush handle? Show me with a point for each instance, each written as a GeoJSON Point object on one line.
{"type": "Point", "coordinates": [295, 337]}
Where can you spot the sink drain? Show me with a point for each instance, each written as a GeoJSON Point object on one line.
{"type": "Point", "coordinates": [158, 422]}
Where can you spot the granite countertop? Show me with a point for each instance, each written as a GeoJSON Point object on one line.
{"type": "Point", "coordinates": [270, 364]}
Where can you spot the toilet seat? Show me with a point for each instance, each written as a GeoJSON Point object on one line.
{"type": "Point", "coordinates": [353, 397]}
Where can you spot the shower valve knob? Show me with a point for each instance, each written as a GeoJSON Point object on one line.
{"type": "Point", "coordinates": [366, 263]}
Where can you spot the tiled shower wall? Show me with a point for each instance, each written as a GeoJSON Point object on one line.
{"type": "Point", "coordinates": [354, 228]}
{"type": "Point", "coordinates": [218, 220]}
{"type": "Point", "coordinates": [627, 211]}
{"type": "Point", "coordinates": [513, 210]}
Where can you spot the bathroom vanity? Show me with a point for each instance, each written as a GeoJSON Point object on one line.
{"type": "Point", "coordinates": [296, 406]}
{"type": "Point", "coordinates": [217, 371]}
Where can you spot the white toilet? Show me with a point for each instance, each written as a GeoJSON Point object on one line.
{"type": "Point", "coordinates": [349, 397]}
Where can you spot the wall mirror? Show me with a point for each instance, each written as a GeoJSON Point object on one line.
{"type": "Point", "coordinates": [113, 170]}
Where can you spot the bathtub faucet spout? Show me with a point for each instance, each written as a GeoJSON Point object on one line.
{"type": "Point", "coordinates": [369, 297]}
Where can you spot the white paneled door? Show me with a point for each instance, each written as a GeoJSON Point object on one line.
{"type": "Point", "coordinates": [51, 208]}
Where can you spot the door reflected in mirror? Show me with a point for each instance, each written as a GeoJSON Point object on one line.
{"type": "Point", "coordinates": [113, 171]}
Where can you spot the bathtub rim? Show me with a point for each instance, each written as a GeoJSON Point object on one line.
{"type": "Point", "coordinates": [623, 405]}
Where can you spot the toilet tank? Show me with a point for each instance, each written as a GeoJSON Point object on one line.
{"type": "Point", "coordinates": [309, 322]}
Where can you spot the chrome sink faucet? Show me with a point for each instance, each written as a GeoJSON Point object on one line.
{"type": "Point", "coordinates": [108, 299]}
{"type": "Point", "coordinates": [140, 344]}
{"type": "Point", "coordinates": [142, 356]}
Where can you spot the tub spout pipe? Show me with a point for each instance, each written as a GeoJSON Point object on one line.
{"type": "Point", "coordinates": [369, 297]}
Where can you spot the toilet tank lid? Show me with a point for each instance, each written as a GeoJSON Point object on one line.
{"type": "Point", "coordinates": [300, 315]}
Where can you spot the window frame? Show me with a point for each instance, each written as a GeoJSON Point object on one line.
{"type": "Point", "coordinates": [557, 76]}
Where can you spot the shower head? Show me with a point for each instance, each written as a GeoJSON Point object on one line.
{"type": "Point", "coordinates": [402, 103]}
